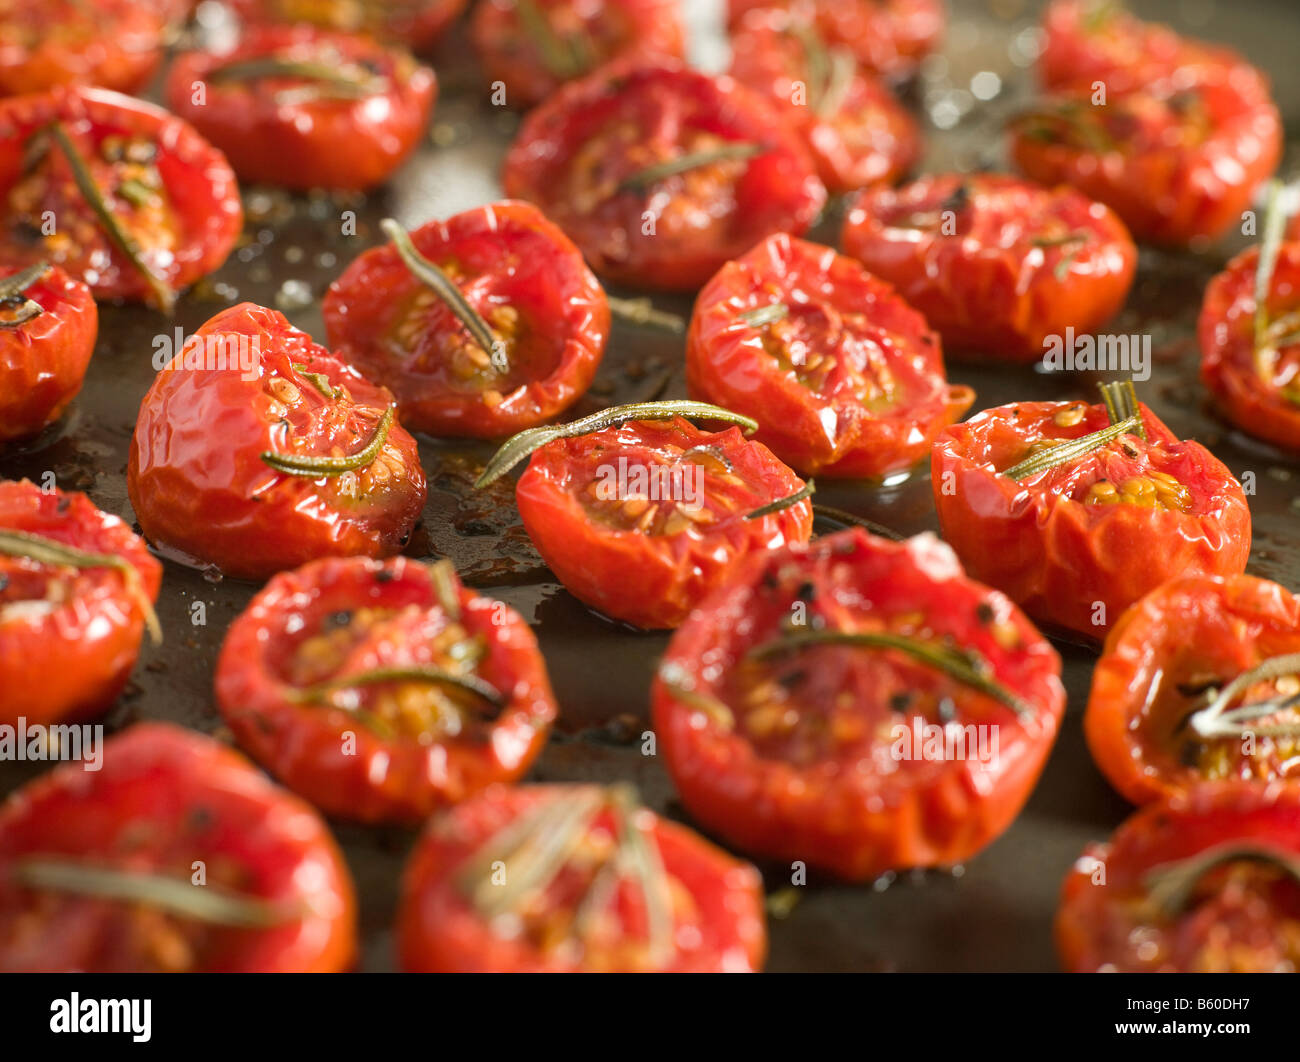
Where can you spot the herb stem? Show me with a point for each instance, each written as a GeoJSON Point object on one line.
{"type": "Point", "coordinates": [692, 160]}
{"type": "Point", "coordinates": [312, 466]}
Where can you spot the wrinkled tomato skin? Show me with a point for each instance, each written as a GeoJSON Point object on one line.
{"type": "Point", "coordinates": [508, 255]}
{"type": "Point", "coordinates": [1095, 934]}
{"type": "Point", "coordinates": [1069, 564]}
{"type": "Point", "coordinates": [844, 813]}
{"type": "Point", "coordinates": [1226, 330]}
{"type": "Point", "coordinates": [777, 191]}
{"type": "Point", "coordinates": [196, 477]}
{"type": "Point", "coordinates": [43, 361]}
{"type": "Point", "coordinates": [439, 932]}
{"type": "Point", "coordinates": [1179, 633]}
{"type": "Point", "coordinates": [199, 184]}
{"type": "Point", "coordinates": [611, 29]}
{"type": "Point", "coordinates": [726, 364]}
{"type": "Point", "coordinates": [73, 661]}
{"type": "Point", "coordinates": [418, 25]}
{"type": "Point", "coordinates": [165, 798]}
{"type": "Point", "coordinates": [297, 145]}
{"type": "Point", "coordinates": [381, 780]}
{"type": "Point", "coordinates": [649, 581]}
{"type": "Point", "coordinates": [987, 287]}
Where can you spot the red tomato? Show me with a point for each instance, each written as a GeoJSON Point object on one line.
{"type": "Point", "coordinates": [249, 396]}
{"type": "Point", "coordinates": [796, 746]}
{"type": "Point", "coordinates": [418, 24]}
{"type": "Point", "coordinates": [1077, 544]}
{"type": "Point", "coordinates": [383, 690]}
{"type": "Point", "coordinates": [535, 46]}
{"type": "Point", "coordinates": [1253, 379]}
{"type": "Point", "coordinates": [588, 157]}
{"type": "Point", "coordinates": [171, 194]}
{"type": "Point", "coordinates": [284, 101]}
{"type": "Point", "coordinates": [1207, 882]}
{"type": "Point", "coordinates": [529, 284]}
{"type": "Point", "coordinates": [1154, 722]}
{"type": "Point", "coordinates": [643, 519]}
{"type": "Point", "coordinates": [43, 355]}
{"type": "Point", "coordinates": [849, 382]}
{"type": "Point", "coordinates": [69, 630]}
{"type": "Point", "coordinates": [627, 891]}
{"type": "Point", "coordinates": [887, 36]}
{"type": "Point", "coordinates": [96, 865]}
{"type": "Point", "coordinates": [996, 265]}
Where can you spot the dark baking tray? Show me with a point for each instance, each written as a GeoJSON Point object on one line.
{"type": "Point", "coordinates": [993, 914]}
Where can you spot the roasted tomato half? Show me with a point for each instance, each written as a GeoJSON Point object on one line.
{"type": "Point", "coordinates": [1250, 363]}
{"type": "Point", "coordinates": [256, 451]}
{"type": "Point", "coordinates": [1076, 542]}
{"type": "Point", "coordinates": [857, 132]}
{"type": "Point", "coordinates": [118, 192]}
{"type": "Point", "coordinates": [176, 855]}
{"type": "Point", "coordinates": [306, 108]}
{"type": "Point", "coordinates": [843, 377]}
{"type": "Point", "coordinates": [543, 314]}
{"type": "Point", "coordinates": [415, 23]}
{"type": "Point", "coordinates": [48, 325]}
{"type": "Point", "coordinates": [1206, 882]}
{"type": "Point", "coordinates": [996, 265]}
{"type": "Point", "coordinates": [641, 519]}
{"type": "Point", "coordinates": [887, 36]}
{"type": "Point", "coordinates": [661, 174]}
{"type": "Point", "coordinates": [574, 879]}
{"type": "Point", "coordinates": [535, 46]}
{"type": "Point", "coordinates": [383, 690]}
{"type": "Point", "coordinates": [857, 704]}
{"type": "Point", "coordinates": [1199, 681]}
{"type": "Point", "coordinates": [76, 590]}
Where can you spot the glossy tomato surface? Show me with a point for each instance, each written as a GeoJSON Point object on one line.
{"type": "Point", "coordinates": [528, 282]}
{"type": "Point", "coordinates": [820, 752]}
{"type": "Point", "coordinates": [248, 393]}
{"type": "Point", "coordinates": [170, 803]}
{"type": "Point", "coordinates": [582, 156]}
{"type": "Point", "coordinates": [997, 265]}
{"type": "Point", "coordinates": [848, 382]}
{"type": "Point", "coordinates": [418, 24]}
{"type": "Point", "coordinates": [590, 914]}
{"type": "Point", "coordinates": [1077, 544]}
{"type": "Point", "coordinates": [643, 519]}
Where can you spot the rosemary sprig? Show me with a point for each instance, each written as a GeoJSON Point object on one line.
{"type": "Point", "coordinates": [1121, 402]}
{"type": "Point", "coordinates": [692, 160]}
{"type": "Point", "coordinates": [1071, 451]}
{"type": "Point", "coordinates": [330, 82]}
{"type": "Point", "coordinates": [13, 288]}
{"type": "Point", "coordinates": [848, 519]}
{"type": "Point", "coordinates": [564, 58]}
{"type": "Point", "coordinates": [445, 587]}
{"type": "Point", "coordinates": [1269, 246]}
{"type": "Point", "coordinates": [681, 685]}
{"type": "Point", "coordinates": [433, 676]}
{"type": "Point", "coordinates": [641, 311]}
{"type": "Point", "coordinates": [762, 316]}
{"type": "Point", "coordinates": [1216, 720]}
{"type": "Point", "coordinates": [806, 491]}
{"type": "Point", "coordinates": [317, 379]}
{"type": "Point", "coordinates": [1170, 886]}
{"type": "Point", "coordinates": [312, 466]}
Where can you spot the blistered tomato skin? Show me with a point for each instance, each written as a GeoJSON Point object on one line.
{"type": "Point", "coordinates": [849, 382]}
{"type": "Point", "coordinates": [68, 637]}
{"type": "Point", "coordinates": [418, 24]}
{"type": "Point", "coordinates": [998, 266]}
{"type": "Point", "coordinates": [528, 282]}
{"type": "Point", "coordinates": [165, 801]}
{"type": "Point", "coordinates": [43, 361]}
{"type": "Point", "coordinates": [582, 156]}
{"type": "Point", "coordinates": [1068, 555]}
{"type": "Point", "coordinates": [420, 747]}
{"type": "Point", "coordinates": [198, 480]}
{"type": "Point", "coordinates": [818, 753]}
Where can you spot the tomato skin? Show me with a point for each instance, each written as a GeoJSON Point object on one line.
{"type": "Point", "coordinates": [1057, 557]}
{"type": "Point", "coordinates": [201, 489]}
{"type": "Point", "coordinates": [1180, 631]}
{"type": "Point", "coordinates": [382, 780]}
{"type": "Point", "coordinates": [72, 662]}
{"type": "Point", "coordinates": [692, 236]}
{"type": "Point", "coordinates": [297, 145]}
{"type": "Point", "coordinates": [1235, 931]}
{"type": "Point", "coordinates": [439, 932]}
{"type": "Point", "coordinates": [43, 361]}
{"type": "Point", "coordinates": [987, 287]}
{"type": "Point", "coordinates": [199, 185]}
{"type": "Point", "coordinates": [508, 254]}
{"type": "Point", "coordinates": [726, 363]}
{"type": "Point", "coordinates": [842, 812]}
{"type": "Point", "coordinates": [650, 581]}
{"type": "Point", "coordinates": [611, 29]}
{"type": "Point", "coordinates": [165, 797]}
{"type": "Point", "coordinates": [418, 25]}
